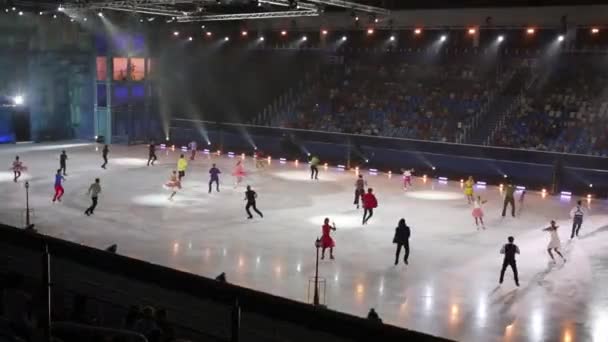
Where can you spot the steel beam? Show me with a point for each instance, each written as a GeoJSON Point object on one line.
{"type": "Point", "coordinates": [246, 16]}
{"type": "Point", "coordinates": [353, 6]}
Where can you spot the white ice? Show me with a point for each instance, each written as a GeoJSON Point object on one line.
{"type": "Point", "coordinates": [450, 287]}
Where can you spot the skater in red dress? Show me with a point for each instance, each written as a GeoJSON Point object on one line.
{"type": "Point", "coordinates": [238, 173]}
{"type": "Point", "coordinates": [17, 168]}
{"type": "Point", "coordinates": [326, 240]}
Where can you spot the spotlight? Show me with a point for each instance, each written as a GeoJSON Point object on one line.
{"type": "Point", "coordinates": [226, 39]}
{"type": "Point", "coordinates": [443, 38]}
{"type": "Point", "coordinates": [595, 30]}
{"type": "Point", "coordinates": [324, 32]}
{"type": "Point", "coordinates": [85, 18]}
{"type": "Point", "coordinates": [304, 38]}
{"type": "Point", "coordinates": [344, 38]}
{"type": "Point", "coordinates": [39, 13]}
{"type": "Point", "coordinates": [472, 31]}
{"type": "Point", "coordinates": [283, 33]}
{"type": "Point", "coordinates": [167, 138]}
{"type": "Point", "coordinates": [176, 33]}
{"type": "Point", "coordinates": [18, 100]}
{"type": "Point", "coordinates": [20, 13]}
{"type": "Point", "coordinates": [203, 26]}
{"type": "Point", "coordinates": [500, 38]}
{"type": "Point", "coordinates": [71, 20]}
{"type": "Point", "coordinates": [100, 14]}
{"type": "Point", "coordinates": [560, 38]}
{"type": "Point", "coordinates": [208, 33]}
{"type": "Point", "coordinates": [190, 39]}
{"type": "Point", "coordinates": [54, 16]}
{"type": "Point", "coordinates": [591, 185]}
{"type": "Point", "coordinates": [60, 8]}
{"type": "Point", "coordinates": [433, 168]}
{"type": "Point", "coordinates": [244, 33]}
{"type": "Point", "coordinates": [370, 31]}
{"type": "Point", "coordinates": [357, 18]}
{"type": "Point", "coordinates": [6, 10]}
{"type": "Point", "coordinates": [261, 39]}
{"type": "Point", "coordinates": [417, 31]}
{"type": "Point", "coordinates": [504, 176]}
{"type": "Point", "coordinates": [530, 30]}
{"type": "Point", "coordinates": [376, 20]}
{"type": "Point", "coordinates": [141, 20]}
{"type": "Point", "coordinates": [392, 38]}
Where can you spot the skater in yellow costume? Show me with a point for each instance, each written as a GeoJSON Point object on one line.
{"type": "Point", "coordinates": [468, 189]}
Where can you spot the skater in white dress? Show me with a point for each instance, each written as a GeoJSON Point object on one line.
{"type": "Point", "coordinates": [554, 243]}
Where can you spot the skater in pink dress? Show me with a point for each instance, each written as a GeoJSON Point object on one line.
{"type": "Point", "coordinates": [17, 168]}
{"type": "Point", "coordinates": [407, 178]}
{"type": "Point", "coordinates": [173, 184]}
{"type": "Point", "coordinates": [238, 173]}
{"type": "Point", "coordinates": [326, 240]}
{"type": "Point", "coordinates": [478, 212]}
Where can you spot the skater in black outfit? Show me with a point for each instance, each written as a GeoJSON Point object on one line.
{"type": "Point", "coordinates": [509, 250]}
{"type": "Point", "coordinates": [214, 174]}
{"type": "Point", "coordinates": [152, 153]}
{"type": "Point", "coordinates": [402, 239]}
{"type": "Point", "coordinates": [509, 199]}
{"type": "Point", "coordinates": [94, 191]}
{"type": "Point", "coordinates": [360, 185]}
{"type": "Point", "coordinates": [250, 197]}
{"type": "Point", "coordinates": [63, 157]}
{"type": "Point", "coordinates": [104, 154]}
{"type": "Point", "coordinates": [577, 214]}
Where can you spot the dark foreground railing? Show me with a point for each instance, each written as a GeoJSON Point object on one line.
{"type": "Point", "coordinates": [537, 169]}
{"type": "Point", "coordinates": [218, 310]}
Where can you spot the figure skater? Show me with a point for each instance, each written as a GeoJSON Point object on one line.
{"type": "Point", "coordinates": [250, 197]}
{"type": "Point", "coordinates": [17, 168]}
{"type": "Point", "coordinates": [238, 173]}
{"type": "Point", "coordinates": [58, 186]}
{"type": "Point", "coordinates": [314, 167]}
{"type": "Point", "coordinates": [478, 212]}
{"type": "Point", "coordinates": [520, 202]}
{"type": "Point", "coordinates": [577, 214]}
{"type": "Point", "coordinates": [173, 184]}
{"type": "Point", "coordinates": [468, 189]}
{"type": "Point", "coordinates": [509, 199]}
{"type": "Point", "coordinates": [509, 250]}
{"type": "Point", "coordinates": [360, 185]}
{"type": "Point", "coordinates": [369, 203]}
{"type": "Point", "coordinates": [326, 240]}
{"type": "Point", "coordinates": [151, 153]}
{"type": "Point", "coordinates": [554, 243]}
{"type": "Point", "coordinates": [104, 155]}
{"type": "Point", "coordinates": [182, 165]}
{"type": "Point", "coordinates": [402, 239]}
{"type": "Point", "coordinates": [94, 191]}
{"type": "Point", "coordinates": [260, 160]}
{"type": "Point", "coordinates": [407, 178]}
{"type": "Point", "coordinates": [214, 176]}
{"type": "Point", "coordinates": [63, 157]}
{"type": "Point", "coordinates": [192, 146]}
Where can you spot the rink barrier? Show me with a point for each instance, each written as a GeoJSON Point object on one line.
{"type": "Point", "coordinates": [203, 305]}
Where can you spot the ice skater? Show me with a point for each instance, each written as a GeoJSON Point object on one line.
{"type": "Point", "coordinates": [182, 165]}
{"type": "Point", "coordinates": [369, 204]}
{"type": "Point", "coordinates": [238, 173]}
{"type": "Point", "coordinates": [577, 214]}
{"type": "Point", "coordinates": [468, 189]}
{"type": "Point", "coordinates": [192, 146]}
{"type": "Point", "coordinates": [250, 197]}
{"type": "Point", "coordinates": [17, 168]}
{"type": "Point", "coordinates": [402, 239]}
{"type": "Point", "coordinates": [509, 250]}
{"type": "Point", "coordinates": [94, 191]}
{"type": "Point", "coordinates": [326, 240]}
{"type": "Point", "coordinates": [104, 155]}
{"type": "Point", "coordinates": [173, 184]}
{"type": "Point", "coordinates": [63, 158]}
{"type": "Point", "coordinates": [520, 202]}
{"type": "Point", "coordinates": [260, 160]}
{"type": "Point", "coordinates": [151, 153]}
{"type": "Point", "coordinates": [58, 186]}
{"type": "Point", "coordinates": [314, 167]}
{"type": "Point", "coordinates": [407, 178]}
{"type": "Point", "coordinates": [554, 243]}
{"type": "Point", "coordinates": [214, 177]}
{"type": "Point", "coordinates": [360, 185]}
{"type": "Point", "coordinates": [478, 212]}
{"type": "Point", "coordinates": [509, 199]}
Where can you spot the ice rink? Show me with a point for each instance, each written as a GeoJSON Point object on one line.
{"type": "Point", "coordinates": [450, 287]}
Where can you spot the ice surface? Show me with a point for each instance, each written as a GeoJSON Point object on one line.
{"type": "Point", "coordinates": [450, 287]}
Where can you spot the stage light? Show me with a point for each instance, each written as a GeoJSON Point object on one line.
{"type": "Point", "coordinates": [208, 142]}
{"type": "Point", "coordinates": [560, 38]}
{"type": "Point", "coordinates": [376, 20]}
{"type": "Point", "coordinates": [324, 32]}
{"type": "Point", "coordinates": [504, 176]}
{"type": "Point", "coordinates": [85, 19]}
{"type": "Point", "coordinates": [433, 168]}
{"type": "Point", "coordinates": [54, 16]}
{"type": "Point", "coordinates": [344, 38]}
{"type": "Point", "coordinates": [226, 39]}
{"type": "Point", "coordinates": [20, 13]}
{"type": "Point", "coordinates": [176, 33]}
{"type": "Point", "coordinates": [6, 10]}
{"type": "Point", "coordinates": [367, 160]}
{"type": "Point", "coordinates": [39, 13]}
{"type": "Point", "coordinates": [208, 33]}
{"type": "Point", "coordinates": [190, 39]}
{"type": "Point", "coordinates": [500, 38]}
{"type": "Point", "coordinates": [167, 138]}
{"type": "Point", "coordinates": [591, 185]}
{"type": "Point", "coordinates": [588, 196]}
{"type": "Point", "coordinates": [304, 38]}
{"type": "Point", "coordinates": [443, 38]}
{"type": "Point", "coordinates": [461, 180]}
{"type": "Point", "coordinates": [417, 31]}
{"type": "Point", "coordinates": [370, 31]}
{"type": "Point", "coordinates": [141, 20]}
{"type": "Point", "coordinates": [392, 38]}
{"type": "Point", "coordinates": [356, 18]}
{"type": "Point", "coordinates": [595, 30]}
{"type": "Point", "coordinates": [244, 33]}
{"type": "Point", "coordinates": [60, 8]}
{"type": "Point", "coordinates": [283, 33]}
{"type": "Point", "coordinates": [100, 14]}
{"type": "Point", "coordinates": [261, 39]}
{"type": "Point", "coordinates": [203, 27]}
{"type": "Point", "coordinates": [530, 30]}
{"type": "Point", "coordinates": [71, 20]}
{"type": "Point", "coordinates": [500, 186]}
{"type": "Point", "coordinates": [18, 100]}
{"type": "Point", "coordinates": [472, 31]}
{"type": "Point", "coordinates": [544, 191]}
